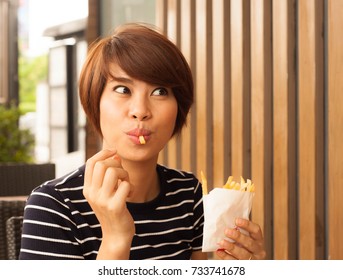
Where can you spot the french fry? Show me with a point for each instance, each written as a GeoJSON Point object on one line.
{"type": "Point", "coordinates": [204, 184]}
{"type": "Point", "coordinates": [230, 184]}
{"type": "Point", "coordinates": [242, 181]}
{"type": "Point", "coordinates": [237, 186]}
{"type": "Point", "coordinates": [141, 139]}
{"type": "Point", "coordinates": [251, 188]}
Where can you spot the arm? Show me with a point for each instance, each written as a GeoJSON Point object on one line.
{"type": "Point", "coordinates": [49, 231]}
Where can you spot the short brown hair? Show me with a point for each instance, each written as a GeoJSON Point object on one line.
{"type": "Point", "coordinates": [144, 54]}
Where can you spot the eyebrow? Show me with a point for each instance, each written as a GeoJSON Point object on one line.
{"type": "Point", "coordinates": [121, 79]}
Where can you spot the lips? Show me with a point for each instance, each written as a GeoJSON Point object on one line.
{"type": "Point", "coordinates": [139, 131]}
{"type": "Point", "coordinates": [136, 133]}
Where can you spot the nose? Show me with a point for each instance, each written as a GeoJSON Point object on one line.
{"type": "Point", "coordinates": [140, 108]}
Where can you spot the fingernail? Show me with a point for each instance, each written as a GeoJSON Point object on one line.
{"type": "Point", "coordinates": [231, 233]}
{"type": "Point", "coordinates": [221, 253]}
{"type": "Point", "coordinates": [239, 221]}
{"type": "Point", "coordinates": [117, 157]}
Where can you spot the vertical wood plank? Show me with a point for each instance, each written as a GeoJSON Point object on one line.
{"type": "Point", "coordinates": [188, 135]}
{"type": "Point", "coordinates": [261, 117]}
{"type": "Point", "coordinates": [227, 90]}
{"type": "Point", "coordinates": [284, 144]}
{"type": "Point", "coordinates": [161, 7]}
{"type": "Point", "coordinates": [161, 23]}
{"type": "Point", "coordinates": [335, 128]}
{"type": "Point", "coordinates": [218, 93]}
{"type": "Point", "coordinates": [311, 130]}
{"type": "Point", "coordinates": [204, 88]}
{"type": "Point", "coordinates": [173, 33]}
{"type": "Point", "coordinates": [240, 86]}
{"type": "Point", "coordinates": [219, 79]}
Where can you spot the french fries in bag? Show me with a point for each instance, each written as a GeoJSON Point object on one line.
{"type": "Point", "coordinates": [221, 208]}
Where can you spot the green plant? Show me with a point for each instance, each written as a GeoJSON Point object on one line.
{"type": "Point", "coordinates": [32, 71]}
{"type": "Point", "coordinates": [16, 145]}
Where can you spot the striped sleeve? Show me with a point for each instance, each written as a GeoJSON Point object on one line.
{"type": "Point", "coordinates": [48, 228]}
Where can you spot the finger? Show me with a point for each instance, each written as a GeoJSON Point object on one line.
{"type": "Point", "coordinates": [248, 243]}
{"type": "Point", "coordinates": [253, 228]}
{"type": "Point", "coordinates": [95, 172]}
{"type": "Point", "coordinates": [257, 246]}
{"type": "Point", "coordinates": [243, 240]}
{"type": "Point", "coordinates": [224, 255]}
{"type": "Point", "coordinates": [102, 155]}
{"type": "Point", "coordinates": [99, 171]}
{"type": "Point", "coordinates": [234, 250]}
{"type": "Point", "coordinates": [111, 178]}
{"type": "Point", "coordinates": [122, 193]}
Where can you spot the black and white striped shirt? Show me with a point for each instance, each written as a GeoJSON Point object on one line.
{"type": "Point", "coordinates": [60, 224]}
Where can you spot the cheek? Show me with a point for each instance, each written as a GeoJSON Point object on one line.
{"type": "Point", "coordinates": [170, 115]}
{"type": "Point", "coordinates": [108, 116]}
{"type": "Point", "coordinates": [103, 116]}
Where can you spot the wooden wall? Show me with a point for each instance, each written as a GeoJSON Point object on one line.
{"type": "Point", "coordinates": [269, 96]}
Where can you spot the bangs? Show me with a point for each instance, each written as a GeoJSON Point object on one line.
{"type": "Point", "coordinates": [141, 59]}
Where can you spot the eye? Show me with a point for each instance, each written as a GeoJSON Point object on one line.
{"type": "Point", "coordinates": [122, 89]}
{"type": "Point", "coordinates": [160, 92]}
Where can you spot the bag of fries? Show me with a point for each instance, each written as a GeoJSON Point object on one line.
{"type": "Point", "coordinates": [221, 207]}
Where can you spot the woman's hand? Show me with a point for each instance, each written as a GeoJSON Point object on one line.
{"type": "Point", "coordinates": [245, 247]}
{"type": "Point", "coordinates": [106, 189]}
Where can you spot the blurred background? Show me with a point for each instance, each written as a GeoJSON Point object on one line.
{"type": "Point", "coordinates": [41, 58]}
{"type": "Point", "coordinates": [268, 85]}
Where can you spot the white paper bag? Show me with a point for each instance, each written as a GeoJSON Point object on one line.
{"type": "Point", "coordinates": [221, 208]}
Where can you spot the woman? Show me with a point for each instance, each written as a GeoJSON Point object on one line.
{"type": "Point", "coordinates": [136, 89]}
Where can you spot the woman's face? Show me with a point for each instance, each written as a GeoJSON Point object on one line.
{"type": "Point", "coordinates": [131, 108]}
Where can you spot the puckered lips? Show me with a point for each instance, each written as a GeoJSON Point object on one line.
{"type": "Point", "coordinates": [139, 136]}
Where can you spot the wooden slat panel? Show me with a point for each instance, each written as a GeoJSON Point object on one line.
{"type": "Point", "coordinates": [204, 88]}
{"type": "Point", "coordinates": [261, 117]}
{"type": "Point", "coordinates": [284, 130]}
{"type": "Point", "coordinates": [335, 128]}
{"type": "Point", "coordinates": [198, 145]}
{"type": "Point", "coordinates": [311, 130]}
{"type": "Point", "coordinates": [240, 86]}
{"type": "Point", "coordinates": [188, 149]}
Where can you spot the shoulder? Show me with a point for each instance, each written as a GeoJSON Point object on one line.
{"type": "Point", "coordinates": [69, 180]}
{"type": "Point", "coordinates": [67, 187]}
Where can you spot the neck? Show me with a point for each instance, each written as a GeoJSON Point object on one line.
{"type": "Point", "coordinates": [144, 179]}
